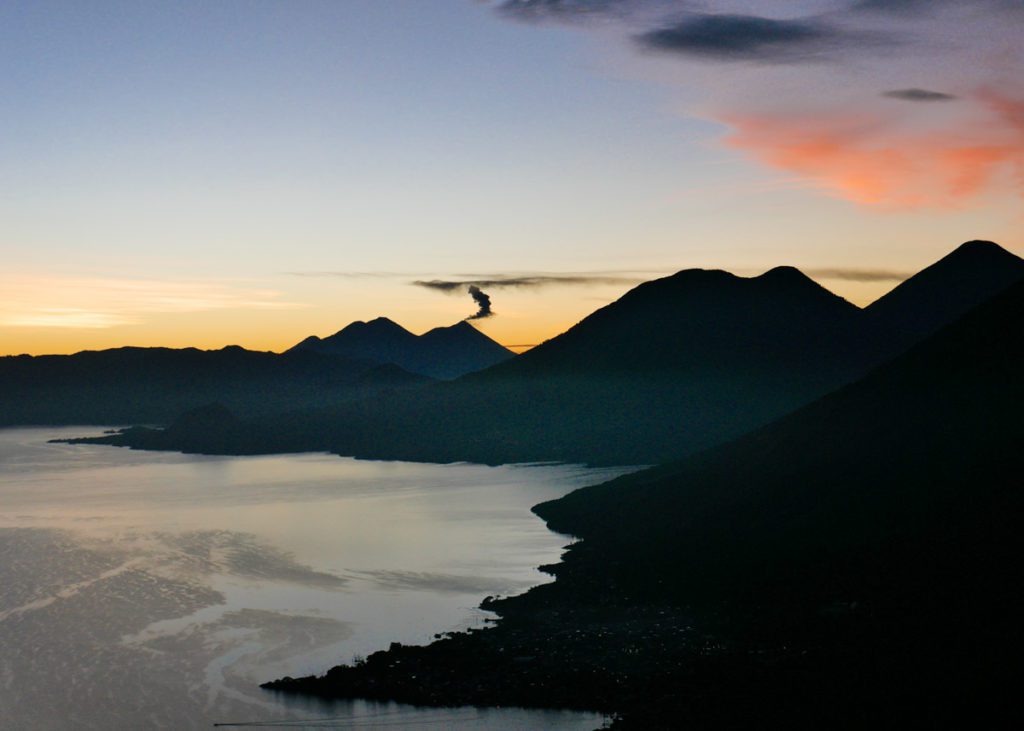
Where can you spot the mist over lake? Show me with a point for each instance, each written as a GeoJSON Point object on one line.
{"type": "Point", "coordinates": [157, 590]}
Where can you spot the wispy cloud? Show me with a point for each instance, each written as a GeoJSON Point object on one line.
{"type": "Point", "coordinates": [896, 7]}
{"type": "Point", "coordinates": [460, 282]}
{"type": "Point", "coordinates": [584, 11]}
{"type": "Point", "coordinates": [92, 303]}
{"type": "Point", "coordinates": [922, 8]}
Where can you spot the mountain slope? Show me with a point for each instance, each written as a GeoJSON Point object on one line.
{"type": "Point", "coordinates": [971, 274]}
{"type": "Point", "coordinates": [155, 385]}
{"type": "Point", "coordinates": [380, 340]}
{"type": "Point", "coordinates": [853, 565]}
{"type": "Point", "coordinates": [872, 539]}
{"type": "Point", "coordinates": [928, 440]}
{"type": "Point", "coordinates": [444, 352]}
{"type": "Point", "coordinates": [449, 352]}
{"type": "Point", "coordinates": [675, 365]}
{"type": "Point", "coordinates": [699, 320]}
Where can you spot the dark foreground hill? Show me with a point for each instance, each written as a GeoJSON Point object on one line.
{"type": "Point", "coordinates": [156, 385]}
{"type": "Point", "coordinates": [444, 352]}
{"type": "Point", "coordinates": [853, 565]}
{"type": "Point", "coordinates": [676, 365]}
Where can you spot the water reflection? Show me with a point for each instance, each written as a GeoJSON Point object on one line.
{"type": "Point", "coordinates": [158, 590]}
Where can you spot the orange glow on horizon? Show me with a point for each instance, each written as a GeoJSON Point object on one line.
{"type": "Point", "coordinates": [523, 320]}
{"type": "Point", "coordinates": [245, 331]}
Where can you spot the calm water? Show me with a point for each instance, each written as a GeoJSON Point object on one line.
{"type": "Point", "coordinates": [152, 590]}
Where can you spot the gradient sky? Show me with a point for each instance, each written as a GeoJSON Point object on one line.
{"type": "Point", "coordinates": [213, 173]}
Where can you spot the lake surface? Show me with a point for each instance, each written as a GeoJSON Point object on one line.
{"type": "Point", "coordinates": [157, 590]}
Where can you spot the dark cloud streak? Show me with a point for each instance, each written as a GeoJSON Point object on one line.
{"type": "Point", "coordinates": [442, 285]}
{"type": "Point", "coordinates": [913, 8]}
{"type": "Point", "coordinates": [918, 95]}
{"type": "Point", "coordinates": [581, 11]}
{"type": "Point", "coordinates": [896, 7]}
{"type": "Point", "coordinates": [528, 281]}
{"type": "Point", "coordinates": [858, 275]}
{"type": "Point", "coordinates": [750, 38]}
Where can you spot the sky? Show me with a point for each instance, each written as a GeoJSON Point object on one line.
{"type": "Point", "coordinates": [204, 174]}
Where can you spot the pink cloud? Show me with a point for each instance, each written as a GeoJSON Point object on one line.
{"type": "Point", "coordinates": [871, 160]}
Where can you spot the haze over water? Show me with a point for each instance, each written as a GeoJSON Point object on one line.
{"type": "Point", "coordinates": [158, 590]}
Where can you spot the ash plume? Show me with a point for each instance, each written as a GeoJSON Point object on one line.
{"type": "Point", "coordinates": [483, 302]}
{"type": "Point", "coordinates": [474, 284]}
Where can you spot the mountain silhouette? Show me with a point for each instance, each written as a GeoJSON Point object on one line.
{"type": "Point", "coordinates": [444, 352]}
{"type": "Point", "coordinates": [854, 533]}
{"type": "Point", "coordinates": [156, 385]}
{"type": "Point", "coordinates": [947, 289]}
{"type": "Point", "coordinates": [931, 434]}
{"type": "Point", "coordinates": [380, 340]}
{"type": "Point", "coordinates": [676, 365]}
{"type": "Point", "coordinates": [699, 320]}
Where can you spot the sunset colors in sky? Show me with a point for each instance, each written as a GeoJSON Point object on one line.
{"type": "Point", "coordinates": [196, 173]}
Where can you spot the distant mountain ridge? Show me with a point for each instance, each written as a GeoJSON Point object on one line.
{"type": "Point", "coordinates": [444, 352]}
{"type": "Point", "coordinates": [132, 385]}
{"type": "Point", "coordinates": [676, 365]}
{"type": "Point", "coordinates": [156, 385]}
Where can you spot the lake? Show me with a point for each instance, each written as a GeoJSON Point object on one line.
{"type": "Point", "coordinates": [157, 590]}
